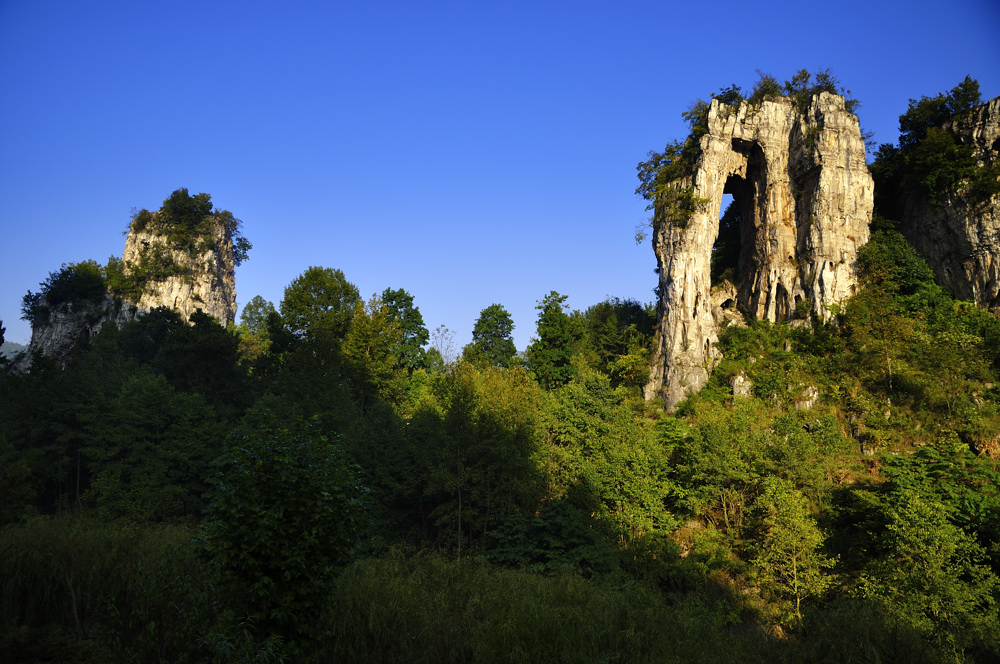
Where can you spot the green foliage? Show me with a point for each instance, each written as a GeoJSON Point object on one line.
{"type": "Point", "coordinates": [932, 575]}
{"type": "Point", "coordinates": [767, 87]}
{"type": "Point", "coordinates": [203, 358]}
{"type": "Point", "coordinates": [550, 355]}
{"type": "Point", "coordinates": [320, 302]}
{"type": "Point", "coordinates": [473, 441]}
{"type": "Point", "coordinates": [283, 521]}
{"type": "Point", "coordinates": [670, 202]}
{"type": "Point", "coordinates": [930, 161]}
{"type": "Point", "coordinates": [932, 112]}
{"type": "Point", "coordinates": [720, 464]}
{"type": "Point", "coordinates": [254, 329]}
{"type": "Point", "coordinates": [949, 473]}
{"type": "Point", "coordinates": [801, 89]}
{"type": "Point", "coordinates": [787, 552]}
{"type": "Point", "coordinates": [151, 452]}
{"type": "Point", "coordinates": [617, 339]}
{"type": "Point", "coordinates": [80, 283]}
{"type": "Point", "coordinates": [599, 457]}
{"type": "Point", "coordinates": [372, 348]}
{"type": "Point", "coordinates": [561, 535]}
{"type": "Point", "coordinates": [938, 164]}
{"type": "Point", "coordinates": [78, 590]}
{"type": "Point", "coordinates": [17, 492]}
{"type": "Point", "coordinates": [255, 313]}
{"type": "Point", "coordinates": [890, 262]}
{"type": "Point", "coordinates": [410, 354]}
{"type": "Point", "coordinates": [427, 609]}
{"type": "Point", "coordinates": [492, 338]}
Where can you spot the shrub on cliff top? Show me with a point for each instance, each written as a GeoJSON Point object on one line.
{"type": "Point", "coordinates": [187, 222]}
{"type": "Point", "coordinates": [74, 282]}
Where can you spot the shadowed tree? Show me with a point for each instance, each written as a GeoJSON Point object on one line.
{"type": "Point", "coordinates": [787, 550]}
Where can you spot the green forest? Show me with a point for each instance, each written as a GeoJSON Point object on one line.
{"type": "Point", "coordinates": [328, 481]}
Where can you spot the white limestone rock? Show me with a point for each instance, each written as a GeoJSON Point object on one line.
{"type": "Point", "coordinates": [805, 196]}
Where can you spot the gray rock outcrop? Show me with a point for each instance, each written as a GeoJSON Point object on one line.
{"type": "Point", "coordinates": [805, 197]}
{"type": "Point", "coordinates": [201, 280]}
{"type": "Point", "coordinates": [961, 241]}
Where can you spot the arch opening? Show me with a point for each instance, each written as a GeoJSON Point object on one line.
{"type": "Point", "coordinates": [733, 257]}
{"type": "Point", "coordinates": [726, 250]}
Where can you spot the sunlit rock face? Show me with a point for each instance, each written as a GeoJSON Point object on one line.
{"type": "Point", "coordinates": [960, 240]}
{"type": "Point", "coordinates": [203, 279]}
{"type": "Point", "coordinates": [805, 201]}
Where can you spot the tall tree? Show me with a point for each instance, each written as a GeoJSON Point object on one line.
{"type": "Point", "coordinates": [320, 302]}
{"type": "Point", "coordinates": [255, 313]}
{"type": "Point", "coordinates": [492, 338]}
{"type": "Point", "coordinates": [254, 328]}
{"type": "Point", "coordinates": [550, 355]}
{"type": "Point", "coordinates": [932, 574]}
{"type": "Point", "coordinates": [787, 550]}
{"type": "Point", "coordinates": [399, 307]}
{"type": "Point", "coordinates": [371, 349]}
{"type": "Point", "coordinates": [284, 521]}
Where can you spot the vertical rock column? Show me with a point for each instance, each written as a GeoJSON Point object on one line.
{"type": "Point", "coordinates": [805, 198]}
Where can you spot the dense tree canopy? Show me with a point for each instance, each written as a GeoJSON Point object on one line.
{"type": "Point", "coordinates": [414, 334]}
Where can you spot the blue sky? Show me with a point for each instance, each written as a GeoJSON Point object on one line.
{"type": "Point", "coordinates": [471, 153]}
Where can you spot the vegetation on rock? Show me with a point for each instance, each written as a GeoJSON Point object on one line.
{"type": "Point", "coordinates": [929, 160]}
{"type": "Point", "coordinates": [662, 175]}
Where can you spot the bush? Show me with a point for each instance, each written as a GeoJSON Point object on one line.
{"type": "Point", "coordinates": [74, 282]}
{"type": "Point", "coordinates": [283, 521]}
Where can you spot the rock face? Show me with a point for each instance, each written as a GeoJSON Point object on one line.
{"type": "Point", "coordinates": [206, 280]}
{"type": "Point", "coordinates": [67, 324]}
{"type": "Point", "coordinates": [960, 241]}
{"type": "Point", "coordinates": [203, 280]}
{"type": "Point", "coordinates": [805, 197]}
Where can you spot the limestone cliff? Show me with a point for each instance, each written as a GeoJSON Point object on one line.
{"type": "Point", "coordinates": [155, 271]}
{"type": "Point", "coordinates": [805, 198]}
{"type": "Point", "coordinates": [960, 240]}
{"type": "Point", "coordinates": [200, 278]}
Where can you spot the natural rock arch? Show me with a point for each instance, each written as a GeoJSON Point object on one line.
{"type": "Point", "coordinates": [805, 199]}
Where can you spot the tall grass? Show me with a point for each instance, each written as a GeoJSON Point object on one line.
{"type": "Point", "coordinates": [117, 585]}
{"type": "Point", "coordinates": [74, 590]}
{"type": "Point", "coordinates": [428, 609]}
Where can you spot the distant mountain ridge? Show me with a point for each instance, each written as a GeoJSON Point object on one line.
{"type": "Point", "coordinates": [9, 349]}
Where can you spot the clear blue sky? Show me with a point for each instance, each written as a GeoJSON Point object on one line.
{"type": "Point", "coordinates": [469, 152]}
